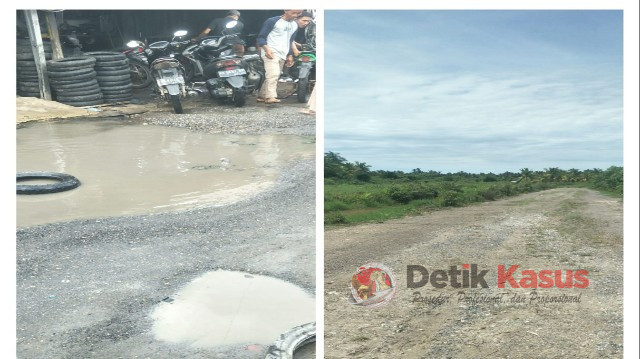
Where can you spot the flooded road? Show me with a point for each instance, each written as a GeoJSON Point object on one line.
{"type": "Point", "coordinates": [127, 168]}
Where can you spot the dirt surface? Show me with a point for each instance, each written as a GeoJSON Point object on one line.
{"type": "Point", "coordinates": [87, 288]}
{"type": "Point", "coordinates": [566, 229]}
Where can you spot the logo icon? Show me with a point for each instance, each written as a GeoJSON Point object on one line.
{"type": "Point", "coordinates": [373, 285]}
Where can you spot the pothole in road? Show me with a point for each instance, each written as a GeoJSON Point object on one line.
{"type": "Point", "coordinates": [126, 168]}
{"type": "Point", "coordinates": [224, 308]}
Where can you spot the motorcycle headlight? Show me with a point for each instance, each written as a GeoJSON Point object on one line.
{"type": "Point", "coordinates": [305, 59]}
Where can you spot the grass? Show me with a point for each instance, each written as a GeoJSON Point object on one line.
{"type": "Point", "coordinates": [350, 203]}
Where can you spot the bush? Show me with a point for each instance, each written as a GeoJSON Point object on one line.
{"type": "Point", "coordinates": [335, 218]}
{"type": "Point", "coordinates": [489, 194]}
{"type": "Point", "coordinates": [399, 194]}
{"type": "Point", "coordinates": [451, 199]}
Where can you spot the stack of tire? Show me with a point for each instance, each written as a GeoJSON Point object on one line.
{"type": "Point", "coordinates": [113, 75]}
{"type": "Point", "coordinates": [26, 73]}
{"type": "Point", "coordinates": [73, 81]}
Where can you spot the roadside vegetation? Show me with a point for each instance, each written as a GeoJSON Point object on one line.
{"type": "Point", "coordinates": [353, 193]}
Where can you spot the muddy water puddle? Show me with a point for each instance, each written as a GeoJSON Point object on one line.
{"type": "Point", "coordinates": [224, 308]}
{"type": "Point", "coordinates": [127, 168]}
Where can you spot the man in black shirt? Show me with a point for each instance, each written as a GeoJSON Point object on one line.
{"type": "Point", "coordinates": [218, 27]}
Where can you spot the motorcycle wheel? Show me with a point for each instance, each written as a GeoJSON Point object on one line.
{"type": "Point", "coordinates": [175, 101]}
{"type": "Point", "coordinates": [304, 90]}
{"type": "Point", "coordinates": [239, 97]}
{"type": "Point", "coordinates": [140, 74]}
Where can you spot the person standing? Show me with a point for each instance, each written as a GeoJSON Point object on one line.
{"type": "Point", "coordinates": [276, 48]}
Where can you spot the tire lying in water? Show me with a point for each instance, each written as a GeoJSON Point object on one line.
{"type": "Point", "coordinates": [65, 182]}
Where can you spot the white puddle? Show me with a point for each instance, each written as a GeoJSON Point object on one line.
{"type": "Point", "coordinates": [134, 169]}
{"type": "Point", "coordinates": [231, 308]}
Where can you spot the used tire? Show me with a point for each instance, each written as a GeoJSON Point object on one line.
{"type": "Point", "coordinates": [111, 68]}
{"type": "Point", "coordinates": [81, 98]}
{"type": "Point", "coordinates": [62, 75]}
{"type": "Point", "coordinates": [126, 86]}
{"type": "Point", "coordinates": [73, 79]}
{"type": "Point", "coordinates": [26, 63]}
{"type": "Point", "coordinates": [70, 62]}
{"type": "Point", "coordinates": [287, 343]}
{"type": "Point", "coordinates": [112, 63]}
{"type": "Point", "coordinates": [117, 96]}
{"type": "Point", "coordinates": [106, 56]}
{"type": "Point", "coordinates": [84, 103]}
{"type": "Point", "coordinates": [75, 85]}
{"type": "Point", "coordinates": [78, 92]}
{"type": "Point", "coordinates": [140, 73]}
{"type": "Point", "coordinates": [65, 182]}
{"type": "Point", "coordinates": [29, 56]}
{"type": "Point", "coordinates": [113, 73]}
{"type": "Point", "coordinates": [115, 100]}
{"type": "Point", "coordinates": [114, 78]}
{"type": "Point", "coordinates": [108, 84]}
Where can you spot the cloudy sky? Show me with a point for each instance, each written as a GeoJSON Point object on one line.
{"type": "Point", "coordinates": [475, 91]}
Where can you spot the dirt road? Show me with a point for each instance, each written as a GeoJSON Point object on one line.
{"type": "Point", "coordinates": [568, 229]}
{"type": "Point", "coordinates": [87, 288]}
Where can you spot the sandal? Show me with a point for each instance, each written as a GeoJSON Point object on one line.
{"type": "Point", "coordinates": [259, 99]}
{"type": "Point", "coordinates": [272, 100]}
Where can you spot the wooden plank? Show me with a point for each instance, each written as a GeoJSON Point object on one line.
{"type": "Point", "coordinates": [52, 25]}
{"type": "Point", "coordinates": [33, 25]}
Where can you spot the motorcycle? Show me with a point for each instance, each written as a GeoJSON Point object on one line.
{"type": "Point", "coordinates": [139, 67]}
{"type": "Point", "coordinates": [167, 71]}
{"type": "Point", "coordinates": [304, 68]}
{"type": "Point", "coordinates": [226, 76]}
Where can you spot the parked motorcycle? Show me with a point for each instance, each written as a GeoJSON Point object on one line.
{"type": "Point", "coordinates": [304, 68]}
{"type": "Point", "coordinates": [226, 76]}
{"type": "Point", "coordinates": [141, 76]}
{"type": "Point", "coordinates": [167, 71]}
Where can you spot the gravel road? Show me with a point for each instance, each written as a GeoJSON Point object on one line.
{"type": "Point", "coordinates": [566, 229]}
{"type": "Point", "coordinates": [86, 288]}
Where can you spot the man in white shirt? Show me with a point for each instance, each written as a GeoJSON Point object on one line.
{"type": "Point", "coordinates": [277, 47]}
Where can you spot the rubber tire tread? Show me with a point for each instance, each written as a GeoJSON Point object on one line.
{"type": "Point", "coordinates": [112, 63]}
{"type": "Point", "coordinates": [114, 73]}
{"type": "Point", "coordinates": [64, 74]}
{"type": "Point", "coordinates": [66, 182]}
{"type": "Point", "coordinates": [24, 63]}
{"type": "Point", "coordinates": [117, 88]}
{"type": "Point", "coordinates": [25, 56]}
{"type": "Point", "coordinates": [82, 98]}
{"type": "Point", "coordinates": [75, 85]}
{"type": "Point", "coordinates": [78, 92]}
{"type": "Point", "coordinates": [74, 79]}
{"type": "Point", "coordinates": [69, 69]}
{"type": "Point", "coordinates": [108, 84]}
{"type": "Point", "coordinates": [111, 68]}
{"type": "Point", "coordinates": [105, 56]}
{"type": "Point", "coordinates": [74, 61]}
{"type": "Point", "coordinates": [114, 78]}
{"type": "Point", "coordinates": [117, 100]}
{"type": "Point", "coordinates": [82, 104]}
{"type": "Point", "coordinates": [117, 96]}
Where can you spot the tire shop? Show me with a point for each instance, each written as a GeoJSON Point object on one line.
{"type": "Point", "coordinates": [77, 57]}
